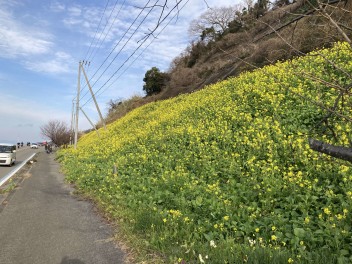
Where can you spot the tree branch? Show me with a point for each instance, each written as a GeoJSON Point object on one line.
{"type": "Point", "coordinates": [339, 152]}
{"type": "Point", "coordinates": [333, 22]}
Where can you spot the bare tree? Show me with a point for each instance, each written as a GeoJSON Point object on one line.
{"type": "Point", "coordinates": [213, 21]}
{"type": "Point", "coordinates": [248, 4]}
{"type": "Point", "coordinates": [57, 131]}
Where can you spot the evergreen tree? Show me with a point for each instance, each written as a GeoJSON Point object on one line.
{"type": "Point", "coordinates": [154, 81]}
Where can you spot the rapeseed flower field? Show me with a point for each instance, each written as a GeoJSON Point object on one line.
{"type": "Point", "coordinates": [225, 174]}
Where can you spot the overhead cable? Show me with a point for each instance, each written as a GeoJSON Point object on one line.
{"type": "Point", "coordinates": [134, 21]}
{"type": "Point", "coordinates": [144, 40]}
{"type": "Point", "coordinates": [99, 41]}
{"type": "Point", "coordinates": [96, 31]}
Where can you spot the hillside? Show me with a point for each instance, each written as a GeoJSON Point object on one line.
{"type": "Point", "coordinates": [283, 33]}
{"type": "Point", "coordinates": [225, 174]}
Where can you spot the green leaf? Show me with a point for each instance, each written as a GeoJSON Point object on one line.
{"type": "Point", "coordinates": [341, 260]}
{"type": "Point", "coordinates": [299, 232]}
{"type": "Point", "coordinates": [208, 236]}
{"type": "Point", "coordinates": [199, 200]}
{"type": "Point", "coordinates": [344, 252]}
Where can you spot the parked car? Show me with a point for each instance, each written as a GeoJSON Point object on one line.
{"type": "Point", "coordinates": [34, 146]}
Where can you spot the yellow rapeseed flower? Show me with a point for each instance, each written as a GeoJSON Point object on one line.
{"type": "Point", "coordinates": [327, 211]}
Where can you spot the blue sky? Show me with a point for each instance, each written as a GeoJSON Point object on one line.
{"type": "Point", "coordinates": [42, 42]}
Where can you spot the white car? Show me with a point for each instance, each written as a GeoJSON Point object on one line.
{"type": "Point", "coordinates": [34, 146]}
{"type": "Point", "coordinates": [7, 154]}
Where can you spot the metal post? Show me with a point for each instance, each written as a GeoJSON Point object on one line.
{"type": "Point", "coordinates": [95, 101]}
{"type": "Point", "coordinates": [77, 103]}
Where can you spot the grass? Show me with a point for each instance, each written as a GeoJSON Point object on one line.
{"type": "Point", "coordinates": [229, 166]}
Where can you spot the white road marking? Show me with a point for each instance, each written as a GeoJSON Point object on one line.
{"type": "Point", "coordinates": [9, 175]}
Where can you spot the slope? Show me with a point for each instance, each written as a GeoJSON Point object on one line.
{"type": "Point", "coordinates": [226, 172]}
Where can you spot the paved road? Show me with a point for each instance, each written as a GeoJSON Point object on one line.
{"type": "Point", "coordinates": [21, 155]}
{"type": "Point", "coordinates": [43, 223]}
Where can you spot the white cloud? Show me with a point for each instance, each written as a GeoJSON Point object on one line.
{"type": "Point", "coordinates": [74, 11]}
{"type": "Point", "coordinates": [57, 7]}
{"type": "Point", "coordinates": [60, 63]}
{"type": "Point", "coordinates": [22, 118]}
{"type": "Point", "coordinates": [72, 21]}
{"type": "Point", "coordinates": [15, 110]}
{"type": "Point", "coordinates": [19, 40]}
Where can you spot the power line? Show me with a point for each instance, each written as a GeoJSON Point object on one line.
{"type": "Point", "coordinates": [93, 39]}
{"type": "Point", "coordinates": [144, 40]}
{"type": "Point", "coordinates": [142, 51]}
{"type": "Point", "coordinates": [134, 21]}
{"type": "Point", "coordinates": [160, 21]}
{"type": "Point", "coordinates": [128, 40]}
{"type": "Point", "coordinates": [96, 31]}
{"type": "Point", "coordinates": [113, 22]}
{"type": "Point", "coordinates": [99, 41]}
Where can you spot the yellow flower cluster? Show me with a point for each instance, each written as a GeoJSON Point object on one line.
{"type": "Point", "coordinates": [233, 159]}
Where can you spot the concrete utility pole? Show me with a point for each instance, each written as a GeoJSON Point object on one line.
{"type": "Point", "coordinates": [93, 96]}
{"type": "Point", "coordinates": [77, 103]}
{"type": "Point", "coordinates": [95, 128]}
{"type": "Point", "coordinates": [72, 121]}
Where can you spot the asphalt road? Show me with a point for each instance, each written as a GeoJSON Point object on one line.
{"type": "Point", "coordinates": [21, 155]}
{"type": "Point", "coordinates": [42, 222]}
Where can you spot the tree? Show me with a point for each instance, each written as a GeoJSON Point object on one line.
{"type": "Point", "coordinates": [332, 18]}
{"type": "Point", "coordinates": [280, 3]}
{"type": "Point", "coordinates": [154, 81]}
{"type": "Point", "coordinates": [248, 4]}
{"type": "Point", "coordinates": [57, 131]}
{"type": "Point", "coordinates": [260, 7]}
{"type": "Point", "coordinates": [113, 104]}
{"type": "Point", "coordinates": [213, 22]}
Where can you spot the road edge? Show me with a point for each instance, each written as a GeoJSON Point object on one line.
{"type": "Point", "coordinates": [9, 175]}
